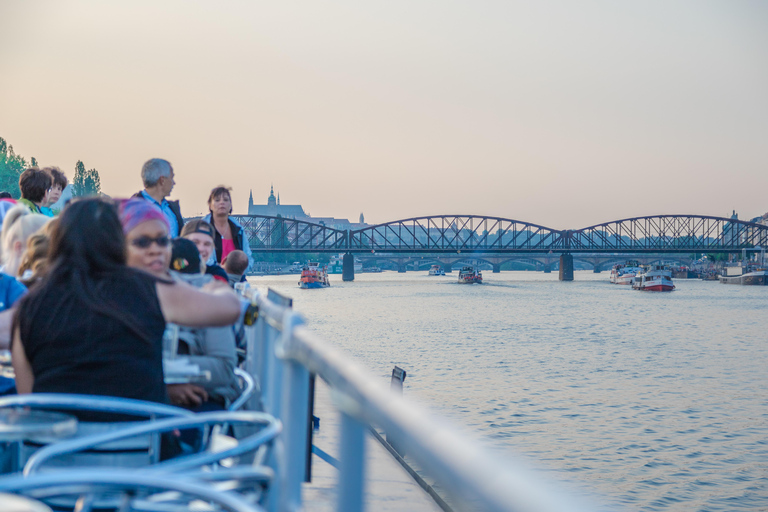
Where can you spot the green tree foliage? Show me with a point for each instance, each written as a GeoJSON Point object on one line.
{"type": "Point", "coordinates": [11, 167]}
{"type": "Point", "coordinates": [85, 183]}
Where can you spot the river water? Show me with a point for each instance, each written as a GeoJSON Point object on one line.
{"type": "Point", "coordinates": [649, 401]}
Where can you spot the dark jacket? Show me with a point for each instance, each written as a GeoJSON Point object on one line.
{"type": "Point", "coordinates": [174, 206]}
{"type": "Point", "coordinates": [238, 237]}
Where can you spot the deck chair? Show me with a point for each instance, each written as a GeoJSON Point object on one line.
{"type": "Point", "coordinates": [129, 452]}
{"type": "Point", "coordinates": [130, 490]}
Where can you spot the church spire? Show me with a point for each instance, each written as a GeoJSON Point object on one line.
{"type": "Point", "coordinates": [278, 199]}
{"type": "Point", "coordinates": [271, 201]}
{"type": "Point", "coordinates": [250, 202]}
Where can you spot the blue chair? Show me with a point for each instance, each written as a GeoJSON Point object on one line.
{"type": "Point", "coordinates": [130, 490]}
{"type": "Point", "coordinates": [266, 428]}
{"type": "Point", "coordinates": [131, 452]}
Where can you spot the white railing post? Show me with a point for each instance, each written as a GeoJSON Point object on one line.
{"type": "Point", "coordinates": [351, 484]}
{"type": "Point", "coordinates": [295, 418]}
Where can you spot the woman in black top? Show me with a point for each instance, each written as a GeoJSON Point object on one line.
{"type": "Point", "coordinates": [94, 325]}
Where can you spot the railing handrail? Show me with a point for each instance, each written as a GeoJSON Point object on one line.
{"type": "Point", "coordinates": [456, 461]}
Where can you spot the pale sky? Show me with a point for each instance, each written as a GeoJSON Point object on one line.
{"type": "Point", "coordinates": [562, 113]}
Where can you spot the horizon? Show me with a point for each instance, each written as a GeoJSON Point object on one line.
{"type": "Point", "coordinates": [552, 113]}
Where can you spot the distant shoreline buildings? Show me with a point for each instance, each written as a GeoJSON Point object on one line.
{"type": "Point", "coordinates": [273, 208]}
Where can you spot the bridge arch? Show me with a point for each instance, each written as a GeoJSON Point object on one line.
{"type": "Point", "coordinates": [669, 233]}
{"type": "Point", "coordinates": [278, 234]}
{"type": "Point", "coordinates": [455, 233]}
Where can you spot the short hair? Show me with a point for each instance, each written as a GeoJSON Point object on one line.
{"type": "Point", "coordinates": [59, 178]}
{"type": "Point", "coordinates": [5, 195]}
{"type": "Point", "coordinates": [153, 170]}
{"type": "Point", "coordinates": [236, 262]}
{"type": "Point", "coordinates": [218, 192]}
{"type": "Point", "coordinates": [34, 183]}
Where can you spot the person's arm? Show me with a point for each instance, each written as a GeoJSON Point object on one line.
{"type": "Point", "coordinates": [186, 305]}
{"type": "Point", "coordinates": [217, 355]}
{"type": "Point", "coordinates": [21, 367]}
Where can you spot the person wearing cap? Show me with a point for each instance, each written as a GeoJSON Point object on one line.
{"type": "Point", "coordinates": [157, 175]}
{"type": "Point", "coordinates": [202, 234]}
{"type": "Point", "coordinates": [228, 234]}
{"type": "Point", "coordinates": [211, 348]}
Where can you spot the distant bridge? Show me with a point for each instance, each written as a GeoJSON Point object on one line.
{"type": "Point", "coordinates": [475, 234]}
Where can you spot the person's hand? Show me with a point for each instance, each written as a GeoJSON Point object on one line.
{"type": "Point", "coordinates": [187, 395]}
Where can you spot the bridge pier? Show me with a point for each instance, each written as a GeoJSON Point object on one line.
{"type": "Point", "coordinates": [348, 267]}
{"type": "Point", "coordinates": [496, 268]}
{"type": "Point", "coordinates": [547, 268]}
{"type": "Point", "coordinates": [566, 267]}
{"type": "Point", "coordinates": [448, 268]}
{"type": "Point", "coordinates": [402, 268]}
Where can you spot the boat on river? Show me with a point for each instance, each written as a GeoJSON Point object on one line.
{"type": "Point", "coordinates": [312, 276]}
{"type": "Point", "coordinates": [624, 273]}
{"type": "Point", "coordinates": [470, 275]}
{"type": "Point", "coordinates": [656, 278]}
{"type": "Point", "coordinates": [745, 276]}
{"type": "Point", "coordinates": [436, 270]}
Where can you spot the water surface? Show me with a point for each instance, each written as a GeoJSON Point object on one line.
{"type": "Point", "coordinates": [652, 401]}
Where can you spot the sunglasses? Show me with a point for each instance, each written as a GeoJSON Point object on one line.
{"type": "Point", "coordinates": [143, 242]}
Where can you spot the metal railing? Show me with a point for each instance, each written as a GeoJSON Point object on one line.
{"type": "Point", "coordinates": [283, 353]}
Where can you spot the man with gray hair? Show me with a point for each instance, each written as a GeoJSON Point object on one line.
{"type": "Point", "coordinates": [157, 175]}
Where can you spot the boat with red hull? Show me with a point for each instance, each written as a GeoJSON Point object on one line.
{"type": "Point", "coordinates": [656, 278]}
{"type": "Point", "coordinates": [312, 276]}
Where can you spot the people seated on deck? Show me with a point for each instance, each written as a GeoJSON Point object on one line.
{"type": "Point", "coordinates": [211, 348]}
{"type": "Point", "coordinates": [235, 265]}
{"type": "Point", "coordinates": [94, 325]}
{"type": "Point", "coordinates": [18, 225]}
{"type": "Point", "coordinates": [229, 235]}
{"type": "Point", "coordinates": [201, 233]}
{"type": "Point", "coordinates": [35, 185]}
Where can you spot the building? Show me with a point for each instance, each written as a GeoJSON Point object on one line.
{"type": "Point", "coordinates": [273, 208]}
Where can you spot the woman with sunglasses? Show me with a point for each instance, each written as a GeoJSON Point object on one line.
{"type": "Point", "coordinates": [94, 325]}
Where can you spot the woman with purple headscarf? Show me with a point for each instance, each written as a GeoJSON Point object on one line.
{"type": "Point", "coordinates": [148, 246]}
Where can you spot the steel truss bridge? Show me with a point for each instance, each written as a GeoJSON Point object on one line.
{"type": "Point", "coordinates": [494, 235]}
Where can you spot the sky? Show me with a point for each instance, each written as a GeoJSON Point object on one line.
{"type": "Point", "coordinates": [560, 113]}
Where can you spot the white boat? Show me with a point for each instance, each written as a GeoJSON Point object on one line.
{"type": "Point", "coordinates": [656, 278]}
{"type": "Point", "coordinates": [436, 270]}
{"type": "Point", "coordinates": [624, 273]}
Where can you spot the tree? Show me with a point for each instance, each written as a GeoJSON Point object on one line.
{"type": "Point", "coordinates": [85, 183]}
{"type": "Point", "coordinates": [11, 167]}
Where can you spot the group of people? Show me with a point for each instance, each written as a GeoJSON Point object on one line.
{"type": "Point", "coordinates": [86, 293]}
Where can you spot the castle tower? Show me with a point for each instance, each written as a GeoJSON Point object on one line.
{"type": "Point", "coordinates": [362, 219]}
{"type": "Point", "coordinates": [250, 202]}
{"type": "Point", "coordinates": [271, 201]}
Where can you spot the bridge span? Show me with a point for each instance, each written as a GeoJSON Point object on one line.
{"type": "Point", "coordinates": [476, 234]}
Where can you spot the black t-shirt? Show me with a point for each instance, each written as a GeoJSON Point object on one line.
{"type": "Point", "coordinates": [91, 352]}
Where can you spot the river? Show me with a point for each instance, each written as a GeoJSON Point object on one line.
{"type": "Point", "coordinates": [649, 401]}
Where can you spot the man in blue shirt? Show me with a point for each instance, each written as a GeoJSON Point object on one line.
{"type": "Point", "coordinates": [157, 175]}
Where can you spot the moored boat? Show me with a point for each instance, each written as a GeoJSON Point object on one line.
{"type": "Point", "coordinates": [624, 273]}
{"type": "Point", "coordinates": [436, 270]}
{"type": "Point", "coordinates": [470, 275]}
{"type": "Point", "coordinates": [312, 276]}
{"type": "Point", "coordinates": [753, 277]}
{"type": "Point", "coordinates": [656, 278]}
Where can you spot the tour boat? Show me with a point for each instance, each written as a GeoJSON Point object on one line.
{"type": "Point", "coordinates": [436, 270]}
{"type": "Point", "coordinates": [656, 278]}
{"type": "Point", "coordinates": [625, 273]}
{"type": "Point", "coordinates": [470, 275]}
{"type": "Point", "coordinates": [312, 276]}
